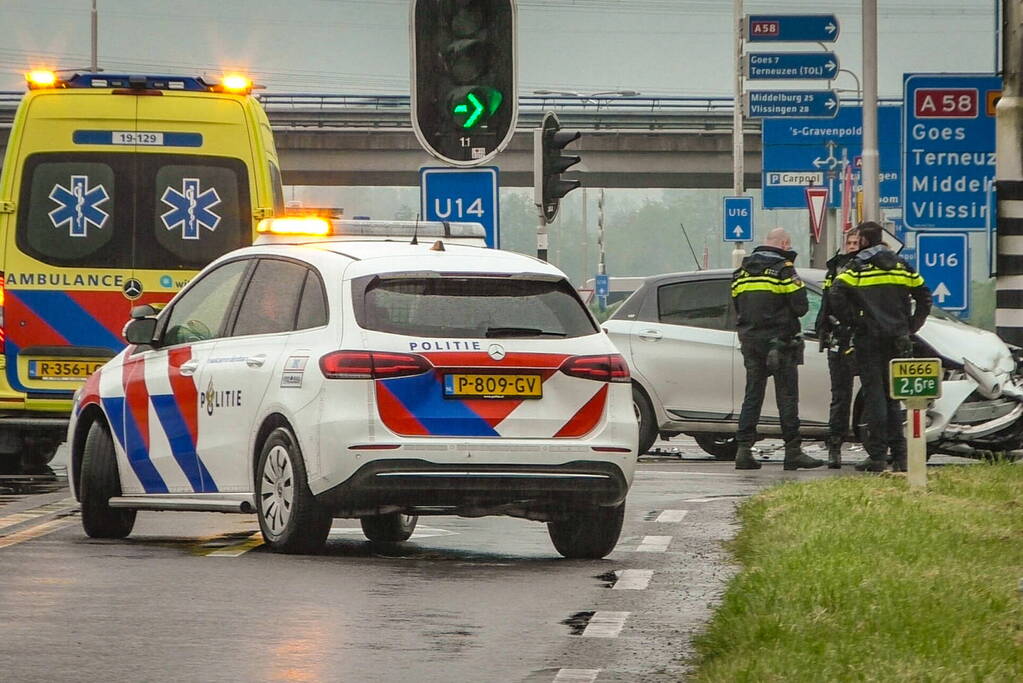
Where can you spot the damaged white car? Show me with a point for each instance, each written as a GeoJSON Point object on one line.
{"type": "Point", "coordinates": [677, 332]}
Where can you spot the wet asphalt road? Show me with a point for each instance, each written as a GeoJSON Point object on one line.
{"type": "Point", "coordinates": [195, 596]}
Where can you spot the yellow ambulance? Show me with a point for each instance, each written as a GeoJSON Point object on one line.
{"type": "Point", "coordinates": [115, 190]}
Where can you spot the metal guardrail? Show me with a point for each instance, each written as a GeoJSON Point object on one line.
{"type": "Point", "coordinates": [339, 111]}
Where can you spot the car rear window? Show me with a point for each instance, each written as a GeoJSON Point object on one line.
{"type": "Point", "coordinates": [123, 210]}
{"type": "Point", "coordinates": [474, 306]}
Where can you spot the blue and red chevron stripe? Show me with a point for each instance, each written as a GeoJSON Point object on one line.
{"type": "Point", "coordinates": [38, 317]}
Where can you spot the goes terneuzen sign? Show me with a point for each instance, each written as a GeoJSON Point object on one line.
{"type": "Point", "coordinates": [915, 378]}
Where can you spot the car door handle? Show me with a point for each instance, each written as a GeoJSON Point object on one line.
{"type": "Point", "coordinates": [650, 335]}
{"type": "Point", "coordinates": [189, 367]}
{"type": "Point", "coordinates": [256, 361]}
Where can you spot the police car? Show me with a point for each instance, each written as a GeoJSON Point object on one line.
{"type": "Point", "coordinates": [378, 371]}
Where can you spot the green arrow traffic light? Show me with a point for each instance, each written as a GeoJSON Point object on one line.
{"type": "Point", "coordinates": [473, 108]}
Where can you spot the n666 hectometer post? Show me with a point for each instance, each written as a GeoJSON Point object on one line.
{"type": "Point", "coordinates": [464, 85]}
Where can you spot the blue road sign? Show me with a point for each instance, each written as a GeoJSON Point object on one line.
{"type": "Point", "coordinates": [790, 65]}
{"type": "Point", "coordinates": [801, 152]}
{"type": "Point", "coordinates": [949, 143]}
{"type": "Point", "coordinates": [461, 194]}
{"type": "Point", "coordinates": [787, 28]}
{"type": "Point", "coordinates": [820, 104]}
{"type": "Point", "coordinates": [943, 259]}
{"type": "Point", "coordinates": [602, 284]}
{"type": "Point", "coordinates": [738, 219]}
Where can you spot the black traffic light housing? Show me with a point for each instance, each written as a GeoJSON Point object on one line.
{"type": "Point", "coordinates": [464, 97]}
{"type": "Point", "coordinates": [549, 163]}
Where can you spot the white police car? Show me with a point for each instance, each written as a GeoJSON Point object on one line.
{"type": "Point", "coordinates": [356, 376]}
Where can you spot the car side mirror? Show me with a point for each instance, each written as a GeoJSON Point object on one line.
{"type": "Point", "coordinates": [143, 311]}
{"type": "Point", "coordinates": [140, 330]}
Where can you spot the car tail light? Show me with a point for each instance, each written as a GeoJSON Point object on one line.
{"type": "Point", "coordinates": [372, 365]}
{"type": "Point", "coordinates": [609, 368]}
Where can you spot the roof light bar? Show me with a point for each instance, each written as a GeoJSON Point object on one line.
{"type": "Point", "coordinates": [317, 226]}
{"type": "Point", "coordinates": [41, 79]}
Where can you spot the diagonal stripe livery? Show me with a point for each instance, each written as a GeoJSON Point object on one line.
{"type": "Point", "coordinates": [417, 406]}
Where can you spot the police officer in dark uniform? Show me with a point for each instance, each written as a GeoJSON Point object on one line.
{"type": "Point", "coordinates": [769, 298]}
{"type": "Point", "coordinates": [837, 339]}
{"type": "Point", "coordinates": [875, 295]}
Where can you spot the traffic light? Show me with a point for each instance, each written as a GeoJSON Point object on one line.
{"type": "Point", "coordinates": [549, 163]}
{"type": "Point", "coordinates": [464, 103]}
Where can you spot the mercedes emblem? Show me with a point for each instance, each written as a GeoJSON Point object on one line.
{"type": "Point", "coordinates": [496, 351]}
{"type": "Point", "coordinates": [132, 289]}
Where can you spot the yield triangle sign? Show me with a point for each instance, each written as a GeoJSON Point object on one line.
{"type": "Point", "coordinates": [817, 203]}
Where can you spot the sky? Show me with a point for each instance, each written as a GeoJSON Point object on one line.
{"type": "Point", "coordinates": [655, 47]}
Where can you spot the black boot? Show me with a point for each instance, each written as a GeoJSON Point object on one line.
{"type": "Point", "coordinates": [834, 453]}
{"type": "Point", "coordinates": [899, 463]}
{"type": "Point", "coordinates": [796, 459]}
{"type": "Point", "coordinates": [744, 458]}
{"type": "Point", "coordinates": [872, 464]}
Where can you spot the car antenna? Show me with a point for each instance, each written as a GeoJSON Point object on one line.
{"type": "Point", "coordinates": [415, 232]}
{"type": "Point", "coordinates": [699, 266]}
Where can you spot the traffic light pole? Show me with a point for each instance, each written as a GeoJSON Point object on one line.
{"type": "Point", "coordinates": [738, 253]}
{"type": "Point", "coordinates": [541, 237]}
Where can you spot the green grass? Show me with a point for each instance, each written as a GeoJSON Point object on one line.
{"type": "Point", "coordinates": [859, 578]}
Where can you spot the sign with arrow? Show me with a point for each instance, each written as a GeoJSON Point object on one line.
{"type": "Point", "coordinates": [818, 104]}
{"type": "Point", "coordinates": [789, 66]}
{"type": "Point", "coordinates": [738, 219]}
{"type": "Point", "coordinates": [943, 260]}
{"type": "Point", "coordinates": [790, 28]}
{"type": "Point", "coordinates": [817, 203]}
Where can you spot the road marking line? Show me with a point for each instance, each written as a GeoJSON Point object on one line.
{"type": "Point", "coordinates": [605, 624]}
{"type": "Point", "coordinates": [253, 541]}
{"type": "Point", "coordinates": [685, 473]}
{"type": "Point", "coordinates": [653, 544]}
{"type": "Point", "coordinates": [669, 516]}
{"type": "Point", "coordinates": [35, 532]}
{"type": "Point", "coordinates": [633, 580]}
{"type": "Point", "coordinates": [67, 506]}
{"type": "Point", "coordinates": [576, 675]}
{"type": "Point", "coordinates": [715, 498]}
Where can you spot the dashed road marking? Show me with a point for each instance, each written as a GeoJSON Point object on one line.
{"type": "Point", "coordinates": [61, 507]}
{"type": "Point", "coordinates": [669, 516]}
{"type": "Point", "coordinates": [605, 624]}
{"type": "Point", "coordinates": [633, 580]}
{"type": "Point", "coordinates": [36, 531]}
{"type": "Point", "coordinates": [711, 499]}
{"type": "Point", "coordinates": [576, 675]}
{"type": "Point", "coordinates": [684, 473]}
{"type": "Point", "coordinates": [653, 544]}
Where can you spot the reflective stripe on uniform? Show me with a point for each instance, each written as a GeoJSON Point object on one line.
{"type": "Point", "coordinates": [877, 276]}
{"type": "Point", "coordinates": [765, 284]}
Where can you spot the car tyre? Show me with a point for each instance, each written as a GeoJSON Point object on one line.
{"type": "Point", "coordinates": [721, 446]}
{"type": "Point", "coordinates": [100, 483]}
{"type": "Point", "coordinates": [390, 528]}
{"type": "Point", "coordinates": [645, 417]}
{"type": "Point", "coordinates": [290, 518]}
{"type": "Point", "coordinates": [589, 532]}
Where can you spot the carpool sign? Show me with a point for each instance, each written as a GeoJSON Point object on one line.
{"type": "Point", "coordinates": [949, 143]}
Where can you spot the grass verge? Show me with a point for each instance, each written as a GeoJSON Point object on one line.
{"type": "Point", "coordinates": [859, 578]}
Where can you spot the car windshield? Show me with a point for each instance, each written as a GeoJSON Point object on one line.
{"type": "Point", "coordinates": [474, 306]}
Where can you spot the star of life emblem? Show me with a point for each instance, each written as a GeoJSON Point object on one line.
{"type": "Point", "coordinates": [190, 208]}
{"type": "Point", "coordinates": [79, 206]}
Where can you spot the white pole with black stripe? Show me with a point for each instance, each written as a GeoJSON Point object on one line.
{"type": "Point", "coordinates": [1009, 180]}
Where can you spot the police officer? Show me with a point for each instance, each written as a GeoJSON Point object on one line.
{"type": "Point", "coordinates": [875, 294]}
{"type": "Point", "coordinates": [769, 299]}
{"type": "Point", "coordinates": [837, 339]}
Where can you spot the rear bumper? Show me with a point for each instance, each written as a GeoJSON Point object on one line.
{"type": "Point", "coordinates": [522, 490]}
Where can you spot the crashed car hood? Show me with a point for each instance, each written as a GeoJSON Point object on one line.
{"type": "Point", "coordinates": [958, 341]}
